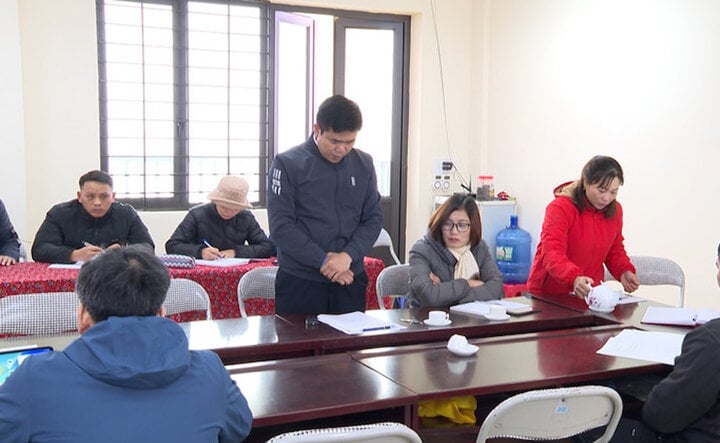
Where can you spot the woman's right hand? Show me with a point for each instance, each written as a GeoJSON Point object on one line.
{"type": "Point", "coordinates": [582, 285]}
{"type": "Point", "coordinates": [434, 279]}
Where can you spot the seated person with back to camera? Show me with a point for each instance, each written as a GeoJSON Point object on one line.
{"type": "Point", "coordinates": [80, 229]}
{"type": "Point", "coordinates": [130, 376]}
{"type": "Point", "coordinates": [223, 228]}
{"type": "Point", "coordinates": [452, 264]}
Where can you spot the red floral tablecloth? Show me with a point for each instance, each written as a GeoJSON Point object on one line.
{"type": "Point", "coordinates": [219, 282]}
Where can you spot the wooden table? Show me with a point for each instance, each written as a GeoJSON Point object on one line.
{"type": "Point", "coordinates": [503, 365]}
{"type": "Point", "coordinates": [304, 393]}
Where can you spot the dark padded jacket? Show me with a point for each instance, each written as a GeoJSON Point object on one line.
{"type": "Point", "coordinates": [9, 245]}
{"type": "Point", "coordinates": [316, 207]}
{"type": "Point", "coordinates": [241, 233]}
{"type": "Point", "coordinates": [67, 225]}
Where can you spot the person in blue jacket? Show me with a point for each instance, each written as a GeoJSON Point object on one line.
{"type": "Point", "coordinates": [324, 214]}
{"type": "Point", "coordinates": [129, 377]}
{"type": "Point", "coordinates": [9, 246]}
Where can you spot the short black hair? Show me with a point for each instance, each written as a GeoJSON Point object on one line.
{"type": "Point", "coordinates": [96, 176]}
{"type": "Point", "coordinates": [123, 282]}
{"type": "Point", "coordinates": [339, 114]}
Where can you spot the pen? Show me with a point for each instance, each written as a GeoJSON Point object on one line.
{"type": "Point", "coordinates": [376, 328]}
{"type": "Point", "coordinates": [207, 243]}
{"type": "Point", "coordinates": [88, 244]}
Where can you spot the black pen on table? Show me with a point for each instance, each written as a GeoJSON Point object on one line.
{"type": "Point", "coordinates": [207, 243]}
{"type": "Point", "coordinates": [377, 328]}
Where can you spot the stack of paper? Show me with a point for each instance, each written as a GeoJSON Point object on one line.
{"type": "Point", "coordinates": [223, 262]}
{"type": "Point", "coordinates": [354, 322]}
{"type": "Point", "coordinates": [679, 316]}
{"type": "Point", "coordinates": [483, 307]}
{"type": "Point", "coordinates": [661, 347]}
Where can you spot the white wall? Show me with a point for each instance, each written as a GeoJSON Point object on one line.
{"type": "Point", "coordinates": [12, 145]}
{"type": "Point", "coordinates": [636, 80]}
{"type": "Point", "coordinates": [531, 90]}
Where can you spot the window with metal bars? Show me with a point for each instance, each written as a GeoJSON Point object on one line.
{"type": "Point", "coordinates": [183, 99]}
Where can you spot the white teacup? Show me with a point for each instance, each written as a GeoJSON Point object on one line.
{"type": "Point", "coordinates": [438, 317]}
{"type": "Point", "coordinates": [602, 298]}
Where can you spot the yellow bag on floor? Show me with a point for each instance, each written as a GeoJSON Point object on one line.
{"type": "Point", "coordinates": [456, 409]}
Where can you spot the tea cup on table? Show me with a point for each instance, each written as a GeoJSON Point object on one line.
{"type": "Point", "coordinates": [602, 298]}
{"type": "Point", "coordinates": [438, 317]}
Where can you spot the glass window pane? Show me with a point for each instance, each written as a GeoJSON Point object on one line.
{"type": "Point", "coordinates": [369, 82]}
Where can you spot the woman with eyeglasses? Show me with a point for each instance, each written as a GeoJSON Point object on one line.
{"type": "Point", "coordinates": [582, 231]}
{"type": "Point", "coordinates": [451, 264]}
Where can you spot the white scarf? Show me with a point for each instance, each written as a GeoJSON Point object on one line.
{"type": "Point", "coordinates": [466, 265]}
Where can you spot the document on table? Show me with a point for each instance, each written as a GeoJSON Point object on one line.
{"type": "Point", "coordinates": [76, 265]}
{"type": "Point", "coordinates": [679, 316]}
{"type": "Point", "coordinates": [356, 322]}
{"type": "Point", "coordinates": [661, 347]}
{"type": "Point", "coordinates": [223, 262]}
{"type": "Point", "coordinates": [483, 307]}
{"type": "Point", "coordinates": [627, 299]}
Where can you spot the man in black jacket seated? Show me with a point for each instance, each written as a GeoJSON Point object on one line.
{"type": "Point", "coordinates": [685, 405]}
{"type": "Point", "coordinates": [80, 229]}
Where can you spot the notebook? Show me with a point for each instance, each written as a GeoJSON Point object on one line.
{"type": "Point", "coordinates": [11, 358]}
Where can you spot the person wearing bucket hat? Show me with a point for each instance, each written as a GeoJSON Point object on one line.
{"type": "Point", "coordinates": [325, 215]}
{"type": "Point", "coordinates": [222, 228]}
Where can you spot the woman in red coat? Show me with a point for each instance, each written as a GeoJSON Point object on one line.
{"type": "Point", "coordinates": [582, 231]}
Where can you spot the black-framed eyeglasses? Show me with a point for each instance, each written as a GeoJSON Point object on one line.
{"type": "Point", "coordinates": [461, 226]}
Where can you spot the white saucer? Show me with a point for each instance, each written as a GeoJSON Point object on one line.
{"type": "Point", "coordinates": [465, 351]}
{"type": "Point", "coordinates": [497, 317]}
{"type": "Point", "coordinates": [443, 323]}
{"type": "Point", "coordinates": [605, 311]}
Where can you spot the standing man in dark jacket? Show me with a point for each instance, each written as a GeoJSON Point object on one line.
{"type": "Point", "coordinates": [325, 215]}
{"type": "Point", "coordinates": [9, 246]}
{"type": "Point", "coordinates": [222, 228]}
{"type": "Point", "coordinates": [80, 229]}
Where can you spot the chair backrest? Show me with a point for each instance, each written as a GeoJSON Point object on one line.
{"type": "Point", "coordinates": [553, 414]}
{"type": "Point", "coordinates": [386, 432]}
{"type": "Point", "coordinates": [39, 314]}
{"type": "Point", "coordinates": [657, 271]}
{"type": "Point", "coordinates": [256, 283]}
{"type": "Point", "coordinates": [385, 240]}
{"type": "Point", "coordinates": [393, 281]}
{"type": "Point", "coordinates": [185, 295]}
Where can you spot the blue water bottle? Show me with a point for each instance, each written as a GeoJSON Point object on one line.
{"type": "Point", "coordinates": [512, 252]}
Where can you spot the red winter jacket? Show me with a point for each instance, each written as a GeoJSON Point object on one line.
{"type": "Point", "coordinates": [574, 244]}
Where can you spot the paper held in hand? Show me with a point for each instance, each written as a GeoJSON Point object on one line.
{"type": "Point", "coordinates": [355, 322]}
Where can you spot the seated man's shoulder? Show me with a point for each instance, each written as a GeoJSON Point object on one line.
{"type": "Point", "coordinates": [64, 208]}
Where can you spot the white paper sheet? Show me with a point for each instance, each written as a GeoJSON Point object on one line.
{"type": "Point", "coordinates": [661, 347]}
{"type": "Point", "coordinates": [483, 307]}
{"type": "Point", "coordinates": [670, 316]}
{"type": "Point", "coordinates": [356, 322]}
{"type": "Point", "coordinates": [76, 265]}
{"type": "Point", "coordinates": [223, 262]}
